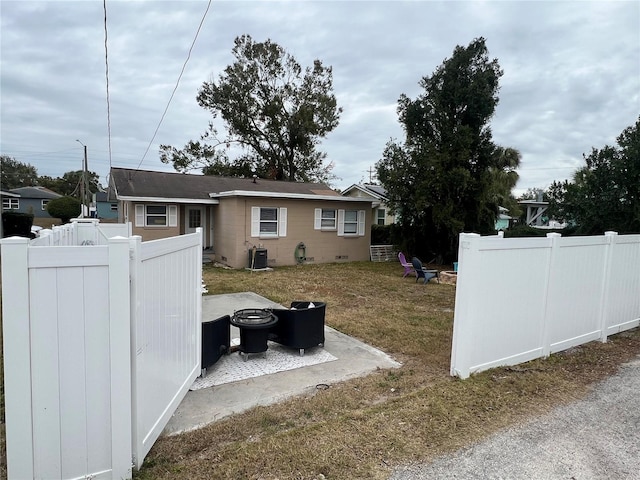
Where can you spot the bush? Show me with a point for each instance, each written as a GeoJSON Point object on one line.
{"type": "Point", "coordinates": [64, 208]}
{"type": "Point", "coordinates": [381, 235]}
{"type": "Point", "coordinates": [17, 224]}
{"type": "Point", "coordinates": [523, 230]}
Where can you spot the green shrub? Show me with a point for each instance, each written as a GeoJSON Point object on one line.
{"type": "Point", "coordinates": [17, 224]}
{"type": "Point", "coordinates": [523, 230]}
{"type": "Point", "coordinates": [381, 235]}
{"type": "Point", "coordinates": [64, 208]}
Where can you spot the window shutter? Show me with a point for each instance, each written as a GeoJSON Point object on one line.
{"type": "Point", "coordinates": [172, 213]}
{"type": "Point", "coordinates": [255, 221]}
{"type": "Point", "coordinates": [361, 221]}
{"type": "Point", "coordinates": [317, 219]}
{"type": "Point", "coordinates": [341, 223]}
{"type": "Point", "coordinates": [139, 215]}
{"type": "Point", "coordinates": [282, 222]}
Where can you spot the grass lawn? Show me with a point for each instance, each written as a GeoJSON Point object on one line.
{"type": "Point", "coordinates": [362, 428]}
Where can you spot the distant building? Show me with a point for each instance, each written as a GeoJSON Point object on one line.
{"type": "Point", "coordinates": [32, 200]}
{"type": "Point", "coordinates": [378, 195]}
{"type": "Point", "coordinates": [503, 221]}
{"type": "Point", "coordinates": [102, 207]}
{"type": "Point", "coordinates": [537, 216]}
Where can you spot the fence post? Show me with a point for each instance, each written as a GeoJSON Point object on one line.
{"type": "Point", "coordinates": [17, 358]}
{"type": "Point", "coordinates": [546, 342]}
{"type": "Point", "coordinates": [120, 350]}
{"type": "Point", "coordinates": [199, 286]}
{"type": "Point", "coordinates": [462, 324]}
{"type": "Point", "coordinates": [606, 280]}
{"type": "Point", "coordinates": [135, 244]}
{"type": "Point", "coordinates": [47, 235]}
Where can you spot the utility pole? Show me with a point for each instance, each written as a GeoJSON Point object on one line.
{"type": "Point", "coordinates": [371, 172]}
{"type": "Point", "coordinates": [83, 183]}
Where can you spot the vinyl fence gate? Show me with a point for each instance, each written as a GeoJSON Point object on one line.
{"type": "Point", "coordinates": [101, 343]}
{"type": "Point", "coordinates": [518, 299]}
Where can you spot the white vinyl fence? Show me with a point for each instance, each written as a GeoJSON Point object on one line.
{"type": "Point", "coordinates": [522, 298]}
{"type": "Point", "coordinates": [101, 342]}
{"type": "Point", "coordinates": [81, 231]}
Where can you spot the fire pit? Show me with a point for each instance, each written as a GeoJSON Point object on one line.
{"type": "Point", "coordinates": [254, 325]}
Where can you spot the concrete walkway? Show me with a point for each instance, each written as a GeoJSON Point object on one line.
{"type": "Point", "coordinates": [201, 407]}
{"type": "Point", "coordinates": [592, 439]}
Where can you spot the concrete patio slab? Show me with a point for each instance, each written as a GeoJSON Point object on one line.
{"type": "Point", "coordinates": [207, 405]}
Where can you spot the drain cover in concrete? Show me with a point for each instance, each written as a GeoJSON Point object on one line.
{"type": "Point", "coordinates": [232, 368]}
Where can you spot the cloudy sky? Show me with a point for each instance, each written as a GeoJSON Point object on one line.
{"type": "Point", "coordinates": [571, 74]}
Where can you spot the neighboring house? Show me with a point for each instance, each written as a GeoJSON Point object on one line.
{"type": "Point", "coordinates": [378, 195]}
{"type": "Point", "coordinates": [30, 200]}
{"type": "Point", "coordinates": [503, 220]}
{"type": "Point", "coordinates": [537, 216]}
{"type": "Point", "coordinates": [103, 207]}
{"type": "Point", "coordinates": [6, 195]}
{"type": "Point", "coordinates": [294, 222]}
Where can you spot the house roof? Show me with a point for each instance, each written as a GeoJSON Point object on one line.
{"type": "Point", "coordinates": [35, 192]}
{"type": "Point", "coordinates": [144, 184]}
{"type": "Point", "coordinates": [102, 196]}
{"type": "Point", "coordinates": [376, 191]}
{"type": "Point", "coordinates": [8, 194]}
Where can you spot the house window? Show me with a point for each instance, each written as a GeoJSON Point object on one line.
{"type": "Point", "coordinates": [325, 219]}
{"type": "Point", "coordinates": [268, 222]}
{"type": "Point", "coordinates": [195, 220]}
{"type": "Point", "coordinates": [10, 204]}
{"type": "Point", "coordinates": [156, 216]}
{"type": "Point", "coordinates": [114, 207]}
{"type": "Point", "coordinates": [44, 204]}
{"type": "Point", "coordinates": [382, 214]}
{"type": "Point", "coordinates": [351, 222]}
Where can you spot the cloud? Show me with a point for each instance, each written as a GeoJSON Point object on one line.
{"type": "Point", "coordinates": [571, 74]}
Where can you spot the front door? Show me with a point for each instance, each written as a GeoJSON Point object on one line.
{"type": "Point", "coordinates": [194, 218]}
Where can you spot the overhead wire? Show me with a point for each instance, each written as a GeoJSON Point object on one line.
{"type": "Point", "coordinates": [106, 66]}
{"type": "Point", "coordinates": [175, 88]}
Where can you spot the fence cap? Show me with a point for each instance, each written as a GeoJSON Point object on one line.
{"type": "Point", "coordinates": [14, 240]}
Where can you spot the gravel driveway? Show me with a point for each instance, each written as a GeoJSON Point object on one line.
{"type": "Point", "coordinates": [595, 438]}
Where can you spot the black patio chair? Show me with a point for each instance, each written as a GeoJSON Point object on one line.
{"type": "Point", "coordinates": [215, 341]}
{"type": "Point", "coordinates": [421, 272]}
{"type": "Point", "coordinates": [300, 327]}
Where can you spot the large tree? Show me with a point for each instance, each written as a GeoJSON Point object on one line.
{"type": "Point", "coordinates": [70, 183]}
{"type": "Point", "coordinates": [448, 176]}
{"type": "Point", "coordinates": [275, 111]}
{"type": "Point", "coordinates": [605, 193]}
{"type": "Point", "coordinates": [15, 174]}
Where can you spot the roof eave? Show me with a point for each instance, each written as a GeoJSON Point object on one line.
{"type": "Point", "coordinates": [296, 196]}
{"type": "Point", "coordinates": [365, 190]}
{"type": "Point", "coordinates": [131, 198]}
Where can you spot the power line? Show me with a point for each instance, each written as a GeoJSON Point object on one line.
{"type": "Point", "coordinates": [106, 66]}
{"type": "Point", "coordinates": [176, 86]}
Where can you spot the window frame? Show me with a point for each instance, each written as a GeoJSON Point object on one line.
{"type": "Point", "coordinates": [257, 222]}
{"type": "Point", "coordinates": [11, 201]}
{"type": "Point", "coordinates": [360, 223]}
{"type": "Point", "coordinates": [142, 215]}
{"type": "Point", "coordinates": [44, 203]}
{"type": "Point", "coordinates": [320, 218]}
{"type": "Point", "coordinates": [381, 215]}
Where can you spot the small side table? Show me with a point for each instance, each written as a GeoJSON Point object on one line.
{"type": "Point", "coordinates": [254, 325]}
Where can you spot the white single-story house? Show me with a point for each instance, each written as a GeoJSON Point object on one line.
{"type": "Point", "coordinates": [291, 222]}
{"type": "Point", "coordinates": [378, 195]}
